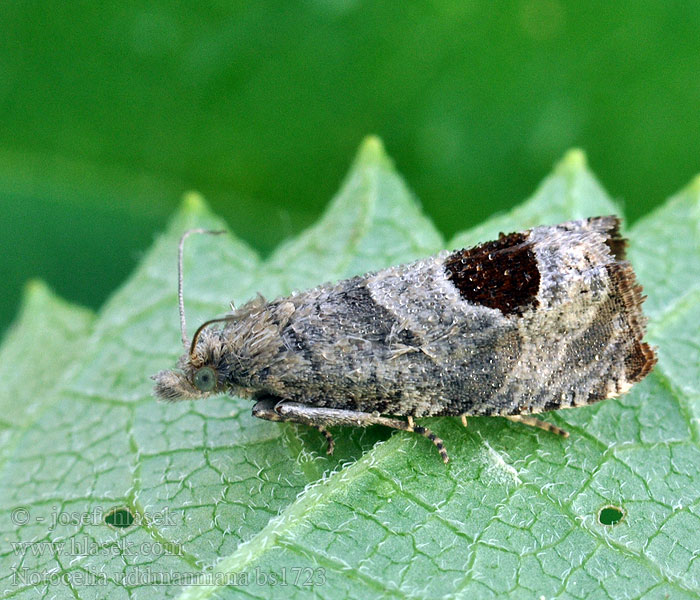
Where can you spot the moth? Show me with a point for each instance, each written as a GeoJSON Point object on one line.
{"type": "Point", "coordinates": [539, 320]}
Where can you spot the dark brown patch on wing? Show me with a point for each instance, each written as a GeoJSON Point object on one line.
{"type": "Point", "coordinates": [502, 274]}
{"type": "Point", "coordinates": [628, 294]}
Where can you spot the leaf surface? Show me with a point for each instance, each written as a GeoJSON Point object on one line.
{"type": "Point", "coordinates": [232, 502]}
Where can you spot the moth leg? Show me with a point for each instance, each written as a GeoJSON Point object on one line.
{"type": "Point", "coordinates": [329, 438]}
{"type": "Point", "coordinates": [268, 409]}
{"type": "Point", "coordinates": [534, 422]}
{"type": "Point", "coordinates": [425, 432]}
{"type": "Point", "coordinates": [410, 425]}
{"type": "Point", "coordinates": [320, 418]}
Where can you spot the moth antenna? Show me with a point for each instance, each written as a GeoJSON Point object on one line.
{"type": "Point", "coordinates": [180, 295]}
{"type": "Point", "coordinates": [193, 344]}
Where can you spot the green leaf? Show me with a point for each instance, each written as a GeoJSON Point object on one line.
{"type": "Point", "coordinates": [227, 502]}
{"type": "Point", "coordinates": [38, 353]}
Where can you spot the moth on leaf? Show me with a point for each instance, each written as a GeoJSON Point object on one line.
{"type": "Point", "coordinates": [534, 321]}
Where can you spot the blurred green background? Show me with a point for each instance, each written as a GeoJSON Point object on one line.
{"type": "Point", "coordinates": [109, 111]}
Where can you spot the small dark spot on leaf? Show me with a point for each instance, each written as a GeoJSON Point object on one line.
{"type": "Point", "coordinates": [610, 515]}
{"type": "Point", "coordinates": [120, 517]}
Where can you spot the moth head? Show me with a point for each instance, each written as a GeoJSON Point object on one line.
{"type": "Point", "coordinates": [201, 372]}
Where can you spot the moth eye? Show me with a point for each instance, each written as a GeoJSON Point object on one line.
{"type": "Point", "coordinates": [205, 379]}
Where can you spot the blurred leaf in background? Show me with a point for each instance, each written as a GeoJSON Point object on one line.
{"type": "Point", "coordinates": [109, 111]}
